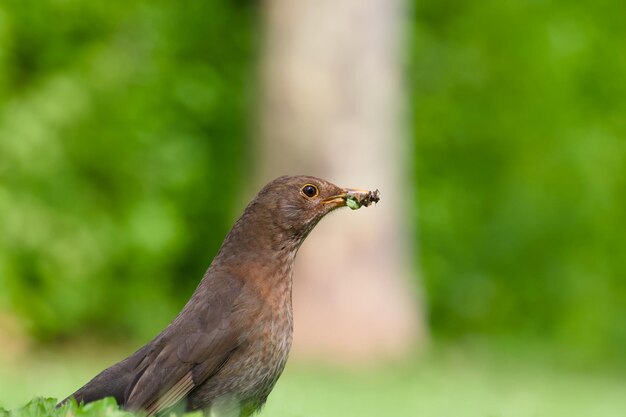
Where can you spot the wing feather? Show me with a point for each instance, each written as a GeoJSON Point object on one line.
{"type": "Point", "coordinates": [192, 349]}
{"type": "Point", "coordinates": [173, 395]}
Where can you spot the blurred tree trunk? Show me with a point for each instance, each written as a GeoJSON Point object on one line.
{"type": "Point", "coordinates": [332, 106]}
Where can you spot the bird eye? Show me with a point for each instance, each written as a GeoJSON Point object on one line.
{"type": "Point", "coordinates": [310, 190]}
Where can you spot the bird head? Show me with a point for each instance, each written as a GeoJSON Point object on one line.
{"type": "Point", "coordinates": [298, 203]}
{"type": "Point", "coordinates": [282, 215]}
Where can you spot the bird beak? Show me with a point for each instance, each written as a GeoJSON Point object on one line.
{"type": "Point", "coordinates": [346, 194]}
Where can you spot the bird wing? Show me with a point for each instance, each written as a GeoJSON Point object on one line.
{"type": "Point", "coordinates": [192, 349]}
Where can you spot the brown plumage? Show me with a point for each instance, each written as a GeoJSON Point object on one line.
{"type": "Point", "coordinates": [226, 349]}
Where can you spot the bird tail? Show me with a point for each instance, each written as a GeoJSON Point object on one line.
{"type": "Point", "coordinates": [112, 382]}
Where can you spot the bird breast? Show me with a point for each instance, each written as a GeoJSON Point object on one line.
{"type": "Point", "coordinates": [267, 348]}
{"type": "Point", "coordinates": [276, 332]}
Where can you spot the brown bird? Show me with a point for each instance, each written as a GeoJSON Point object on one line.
{"type": "Point", "coordinates": [225, 350]}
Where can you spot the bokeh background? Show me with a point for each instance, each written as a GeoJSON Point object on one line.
{"type": "Point", "coordinates": [128, 132]}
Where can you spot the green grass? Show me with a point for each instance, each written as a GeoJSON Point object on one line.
{"type": "Point", "coordinates": [43, 407]}
{"type": "Point", "coordinates": [455, 384]}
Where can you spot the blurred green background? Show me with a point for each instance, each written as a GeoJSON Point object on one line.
{"type": "Point", "coordinates": [520, 128]}
{"type": "Point", "coordinates": [124, 137]}
{"type": "Point", "coordinates": [123, 141]}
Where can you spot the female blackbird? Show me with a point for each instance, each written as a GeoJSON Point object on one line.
{"type": "Point", "coordinates": [225, 350]}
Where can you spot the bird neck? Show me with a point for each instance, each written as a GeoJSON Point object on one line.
{"type": "Point", "coordinates": [257, 248]}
